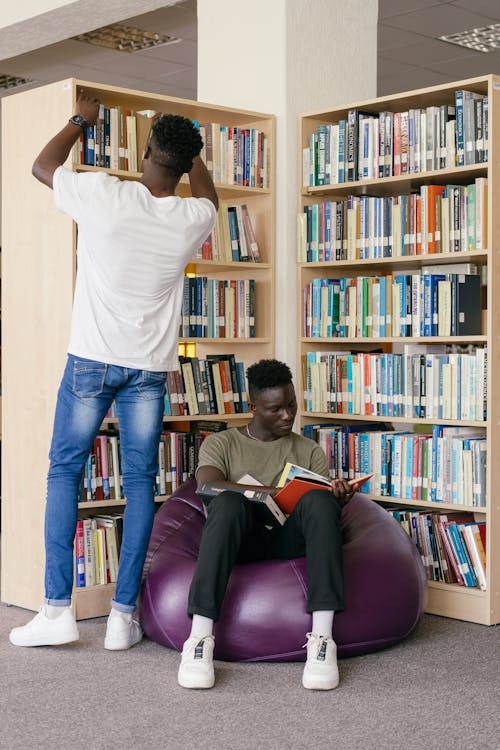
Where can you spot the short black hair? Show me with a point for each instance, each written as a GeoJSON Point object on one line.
{"type": "Point", "coordinates": [175, 141]}
{"type": "Point", "coordinates": [267, 373]}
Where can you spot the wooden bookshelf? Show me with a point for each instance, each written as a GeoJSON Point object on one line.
{"type": "Point", "coordinates": [451, 600]}
{"type": "Point", "coordinates": [39, 265]}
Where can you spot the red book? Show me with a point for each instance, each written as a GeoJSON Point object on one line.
{"type": "Point", "coordinates": [289, 495]}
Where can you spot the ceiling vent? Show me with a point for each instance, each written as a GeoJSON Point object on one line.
{"type": "Point", "coordinates": [11, 82]}
{"type": "Point", "coordinates": [125, 38]}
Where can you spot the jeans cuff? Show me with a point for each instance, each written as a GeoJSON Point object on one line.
{"type": "Point", "coordinates": [58, 602]}
{"type": "Point", "coordinates": [128, 608]}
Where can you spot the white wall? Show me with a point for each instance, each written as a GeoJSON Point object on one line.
{"type": "Point", "coordinates": [285, 57]}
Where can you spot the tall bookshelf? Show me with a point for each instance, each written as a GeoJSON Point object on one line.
{"type": "Point", "coordinates": [450, 600]}
{"type": "Point", "coordinates": [39, 266]}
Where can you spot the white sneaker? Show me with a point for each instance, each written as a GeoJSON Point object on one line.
{"type": "Point", "coordinates": [42, 631]}
{"type": "Point", "coordinates": [197, 665]}
{"type": "Point", "coordinates": [321, 671]}
{"type": "Point", "coordinates": [122, 632]}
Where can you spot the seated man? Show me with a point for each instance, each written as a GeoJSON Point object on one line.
{"type": "Point", "coordinates": [235, 532]}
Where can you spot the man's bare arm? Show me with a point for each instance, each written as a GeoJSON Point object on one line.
{"type": "Point", "coordinates": [201, 183]}
{"type": "Point", "coordinates": [58, 148]}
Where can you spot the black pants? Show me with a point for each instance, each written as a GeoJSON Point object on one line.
{"type": "Point", "coordinates": [234, 532]}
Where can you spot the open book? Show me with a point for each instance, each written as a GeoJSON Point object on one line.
{"type": "Point", "coordinates": [295, 481]}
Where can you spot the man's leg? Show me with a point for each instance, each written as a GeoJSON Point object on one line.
{"type": "Point", "coordinates": [82, 403]}
{"type": "Point", "coordinates": [139, 407]}
{"type": "Point", "coordinates": [313, 530]}
{"type": "Point", "coordinates": [229, 521]}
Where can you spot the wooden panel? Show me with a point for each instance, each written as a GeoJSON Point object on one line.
{"type": "Point", "coordinates": [38, 268]}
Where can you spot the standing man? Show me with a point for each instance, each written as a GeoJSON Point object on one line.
{"type": "Point", "coordinates": [134, 240]}
{"type": "Point", "coordinates": [234, 530]}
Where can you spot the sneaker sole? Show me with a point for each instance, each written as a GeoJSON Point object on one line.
{"type": "Point", "coordinates": [120, 645]}
{"type": "Point", "coordinates": [193, 682]}
{"type": "Point", "coordinates": [316, 683]}
{"type": "Point", "coordinates": [45, 641]}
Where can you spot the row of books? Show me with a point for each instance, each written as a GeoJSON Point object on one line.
{"type": "Point", "coordinates": [177, 460]}
{"type": "Point", "coordinates": [218, 308]}
{"type": "Point", "coordinates": [211, 385]}
{"type": "Point", "coordinates": [416, 384]}
{"type": "Point", "coordinates": [370, 145]}
{"type": "Point", "coordinates": [394, 305]}
{"type": "Point", "coordinates": [97, 549]}
{"type": "Point", "coordinates": [437, 219]}
{"type": "Point", "coordinates": [445, 465]}
{"type": "Point", "coordinates": [233, 239]}
{"type": "Point", "coordinates": [452, 545]}
{"type": "Point", "coordinates": [233, 155]}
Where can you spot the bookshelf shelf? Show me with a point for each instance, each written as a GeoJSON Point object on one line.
{"type": "Point", "coordinates": [397, 420]}
{"type": "Point", "coordinates": [223, 190]}
{"type": "Point", "coordinates": [387, 264]}
{"type": "Point", "coordinates": [333, 135]}
{"type": "Point", "coordinates": [399, 184]}
{"type": "Point", "coordinates": [397, 339]}
{"type": "Point", "coordinates": [384, 500]}
{"type": "Point", "coordinates": [37, 321]}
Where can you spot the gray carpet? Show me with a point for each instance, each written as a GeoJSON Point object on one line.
{"type": "Point", "coordinates": [439, 689]}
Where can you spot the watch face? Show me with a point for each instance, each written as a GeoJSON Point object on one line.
{"type": "Point", "coordinates": [78, 120]}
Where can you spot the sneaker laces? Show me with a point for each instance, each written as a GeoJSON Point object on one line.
{"type": "Point", "coordinates": [197, 643]}
{"type": "Point", "coordinates": [321, 641]}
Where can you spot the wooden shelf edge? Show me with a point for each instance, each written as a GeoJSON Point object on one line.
{"type": "Point", "coordinates": [404, 420]}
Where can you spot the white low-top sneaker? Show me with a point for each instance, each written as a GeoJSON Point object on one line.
{"type": "Point", "coordinates": [122, 632]}
{"type": "Point", "coordinates": [321, 671]}
{"type": "Point", "coordinates": [197, 663]}
{"type": "Point", "coordinates": [42, 631]}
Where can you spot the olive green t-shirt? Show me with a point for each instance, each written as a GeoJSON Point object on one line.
{"type": "Point", "coordinates": [236, 454]}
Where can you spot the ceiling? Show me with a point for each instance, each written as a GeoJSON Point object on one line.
{"type": "Point", "coordinates": [409, 55]}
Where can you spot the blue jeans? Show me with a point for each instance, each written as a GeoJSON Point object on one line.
{"type": "Point", "coordinates": [86, 392]}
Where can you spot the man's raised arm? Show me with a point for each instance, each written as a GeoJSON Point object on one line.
{"type": "Point", "coordinates": [201, 183]}
{"type": "Point", "coordinates": [57, 150]}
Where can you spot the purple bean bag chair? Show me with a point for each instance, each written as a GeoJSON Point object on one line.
{"type": "Point", "coordinates": [264, 614]}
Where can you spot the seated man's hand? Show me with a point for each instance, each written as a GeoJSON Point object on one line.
{"type": "Point", "coordinates": [342, 490]}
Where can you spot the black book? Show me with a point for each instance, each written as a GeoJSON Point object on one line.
{"type": "Point", "coordinates": [465, 304]}
{"type": "Point", "coordinates": [269, 511]}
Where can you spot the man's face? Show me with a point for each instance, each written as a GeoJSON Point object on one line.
{"type": "Point", "coordinates": [274, 410]}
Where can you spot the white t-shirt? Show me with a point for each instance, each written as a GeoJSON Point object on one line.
{"type": "Point", "coordinates": [132, 249]}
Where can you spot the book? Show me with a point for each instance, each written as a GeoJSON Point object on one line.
{"type": "Point", "coordinates": [270, 512]}
{"type": "Point", "coordinates": [290, 493]}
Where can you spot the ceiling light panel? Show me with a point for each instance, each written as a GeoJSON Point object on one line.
{"type": "Point", "coordinates": [483, 39]}
{"type": "Point", "coordinates": [125, 38]}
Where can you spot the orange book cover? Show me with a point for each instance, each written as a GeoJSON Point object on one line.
{"type": "Point", "coordinates": [289, 495]}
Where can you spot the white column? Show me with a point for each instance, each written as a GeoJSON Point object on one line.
{"type": "Point", "coordinates": [285, 57]}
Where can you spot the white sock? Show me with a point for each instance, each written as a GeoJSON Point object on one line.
{"type": "Point", "coordinates": [52, 611]}
{"type": "Point", "coordinates": [201, 626]}
{"type": "Point", "coordinates": [125, 616]}
{"type": "Point", "coordinates": [322, 622]}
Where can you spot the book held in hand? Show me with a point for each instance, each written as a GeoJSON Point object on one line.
{"type": "Point", "coordinates": [295, 481]}
{"type": "Point", "coordinates": [270, 511]}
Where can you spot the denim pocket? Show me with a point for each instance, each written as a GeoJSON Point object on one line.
{"type": "Point", "coordinates": [152, 384]}
{"type": "Point", "coordinates": [88, 377]}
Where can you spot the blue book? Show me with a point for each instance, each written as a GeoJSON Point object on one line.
{"type": "Point", "coordinates": [316, 285]}
{"type": "Point", "coordinates": [321, 173]}
{"type": "Point", "coordinates": [89, 146]}
{"type": "Point", "coordinates": [240, 377]}
{"type": "Point", "coordinates": [461, 555]}
{"type": "Point", "coordinates": [233, 233]}
{"type": "Point", "coordinates": [384, 410]}
{"type": "Point", "coordinates": [328, 230]}
{"type": "Point", "coordinates": [459, 115]}
{"type": "Point", "coordinates": [342, 150]}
